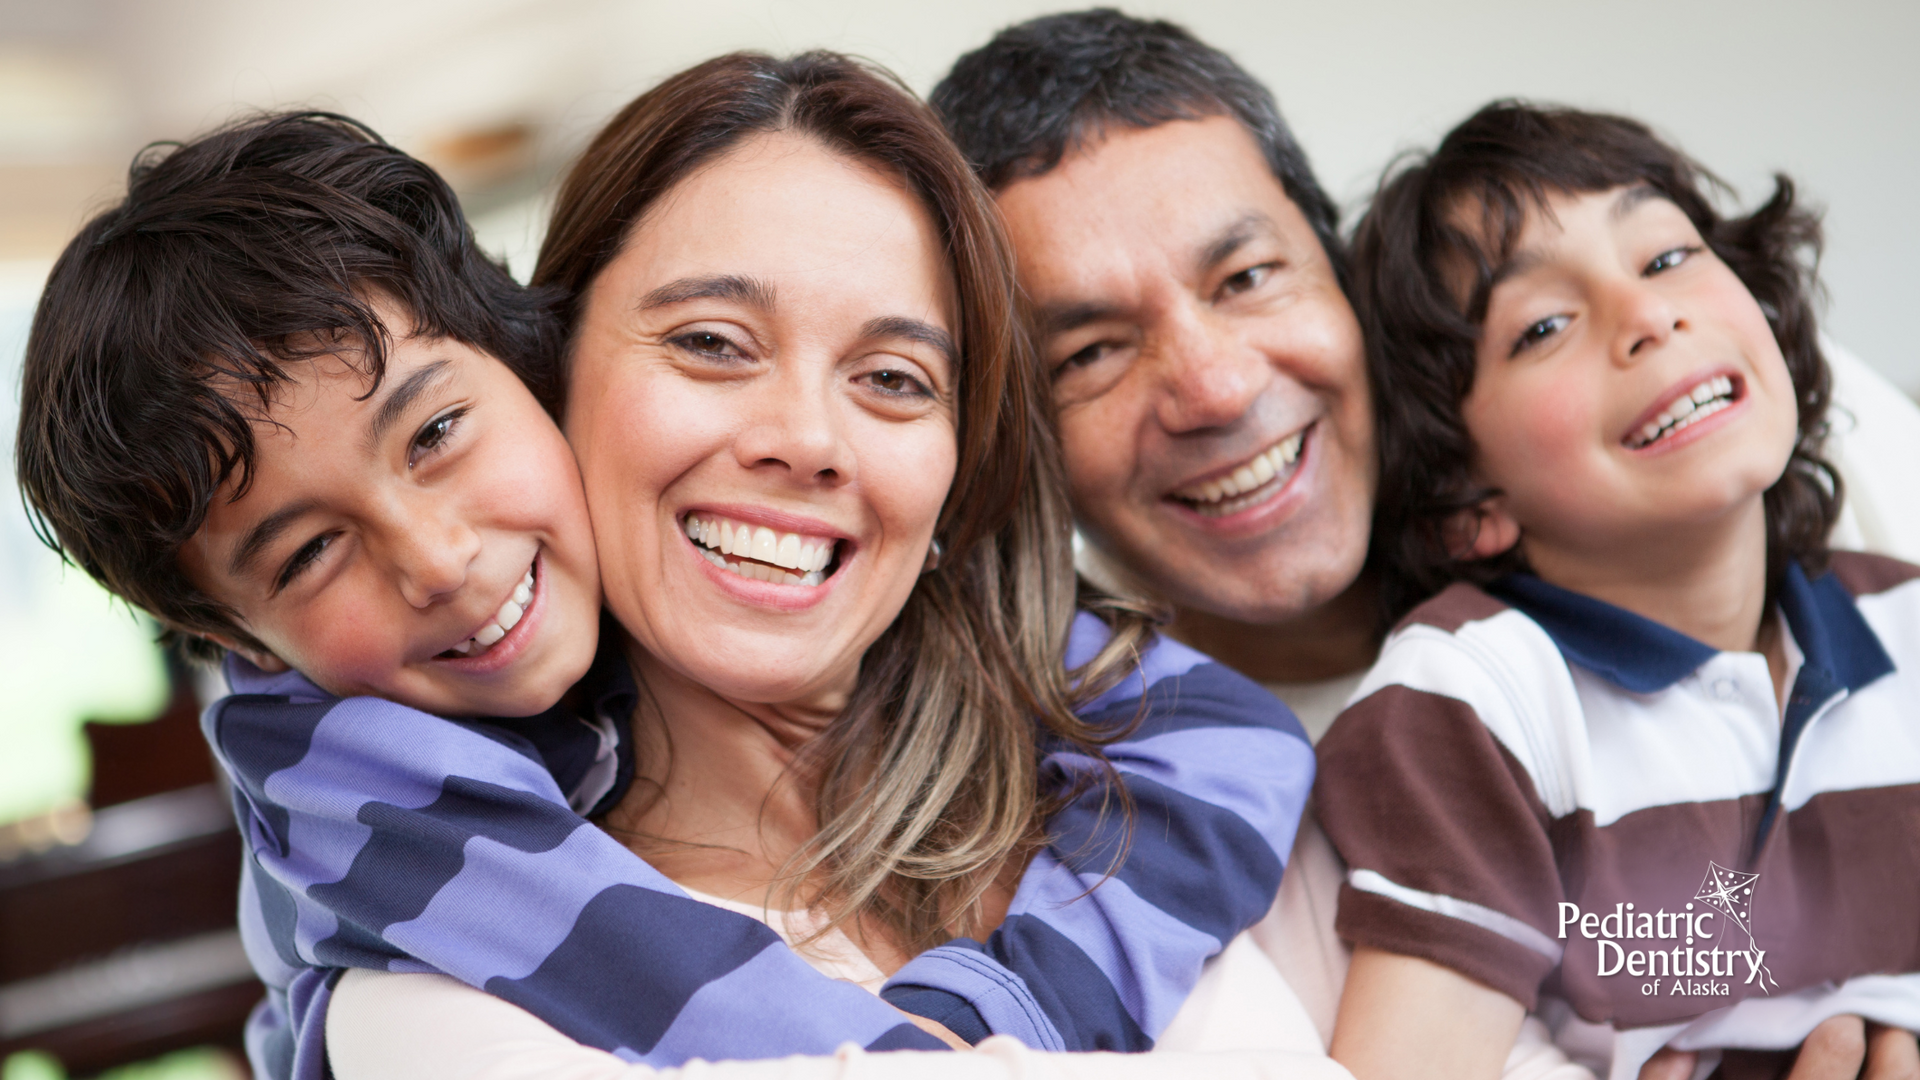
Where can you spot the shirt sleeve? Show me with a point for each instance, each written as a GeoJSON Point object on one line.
{"type": "Point", "coordinates": [424, 1027]}
{"type": "Point", "coordinates": [1113, 921]}
{"type": "Point", "coordinates": [1447, 845]}
{"type": "Point", "coordinates": [387, 839]}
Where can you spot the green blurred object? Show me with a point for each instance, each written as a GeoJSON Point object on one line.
{"type": "Point", "coordinates": [68, 652]}
{"type": "Point", "coordinates": [199, 1063]}
{"type": "Point", "coordinates": [31, 1065]}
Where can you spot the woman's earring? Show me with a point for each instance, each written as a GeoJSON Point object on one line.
{"type": "Point", "coordinates": [933, 557]}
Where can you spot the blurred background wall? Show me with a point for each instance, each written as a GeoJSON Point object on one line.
{"type": "Point", "coordinates": [499, 94]}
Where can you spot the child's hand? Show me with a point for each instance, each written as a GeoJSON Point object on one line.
{"type": "Point", "coordinates": [1670, 1064]}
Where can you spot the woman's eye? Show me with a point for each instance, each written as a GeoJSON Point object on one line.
{"type": "Point", "coordinates": [434, 435]}
{"type": "Point", "coordinates": [1538, 332]}
{"type": "Point", "coordinates": [892, 381]}
{"type": "Point", "coordinates": [1667, 260]}
{"type": "Point", "coordinates": [706, 343]}
{"type": "Point", "coordinates": [308, 554]}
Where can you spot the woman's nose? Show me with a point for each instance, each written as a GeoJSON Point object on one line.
{"type": "Point", "coordinates": [794, 423]}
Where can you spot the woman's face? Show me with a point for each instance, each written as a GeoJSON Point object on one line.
{"type": "Point", "coordinates": [762, 403]}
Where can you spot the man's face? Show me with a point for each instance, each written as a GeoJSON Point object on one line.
{"type": "Point", "coordinates": [1208, 370]}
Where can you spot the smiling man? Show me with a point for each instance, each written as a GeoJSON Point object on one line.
{"type": "Point", "coordinates": [1185, 272]}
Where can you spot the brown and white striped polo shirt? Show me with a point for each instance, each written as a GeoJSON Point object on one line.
{"type": "Point", "coordinates": [1551, 794]}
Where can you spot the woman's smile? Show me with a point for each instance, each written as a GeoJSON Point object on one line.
{"type": "Point", "coordinates": [758, 553]}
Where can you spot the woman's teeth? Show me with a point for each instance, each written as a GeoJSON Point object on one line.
{"type": "Point", "coordinates": [1689, 408]}
{"type": "Point", "coordinates": [759, 552]}
{"type": "Point", "coordinates": [503, 620]}
{"type": "Point", "coordinates": [1225, 495]}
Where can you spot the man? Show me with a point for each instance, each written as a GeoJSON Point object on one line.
{"type": "Point", "coordinates": [1185, 272]}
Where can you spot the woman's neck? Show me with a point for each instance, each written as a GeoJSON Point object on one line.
{"type": "Point", "coordinates": [720, 798]}
{"type": "Point", "coordinates": [1709, 582]}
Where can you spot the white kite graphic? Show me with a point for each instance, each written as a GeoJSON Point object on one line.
{"type": "Point", "coordinates": [1730, 892]}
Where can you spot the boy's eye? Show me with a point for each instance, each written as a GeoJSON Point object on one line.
{"type": "Point", "coordinates": [1538, 332]}
{"type": "Point", "coordinates": [308, 554]}
{"type": "Point", "coordinates": [434, 435]}
{"type": "Point", "coordinates": [1667, 260]}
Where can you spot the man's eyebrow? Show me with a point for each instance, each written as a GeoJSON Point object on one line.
{"type": "Point", "coordinates": [1059, 318]}
{"type": "Point", "coordinates": [402, 398]}
{"type": "Point", "coordinates": [745, 290]}
{"type": "Point", "coordinates": [1232, 238]}
{"type": "Point", "coordinates": [262, 535]}
{"type": "Point", "coordinates": [1631, 199]}
{"type": "Point", "coordinates": [899, 326]}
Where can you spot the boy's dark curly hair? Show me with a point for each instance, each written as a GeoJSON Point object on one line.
{"type": "Point", "coordinates": [168, 322]}
{"type": "Point", "coordinates": [1499, 165]}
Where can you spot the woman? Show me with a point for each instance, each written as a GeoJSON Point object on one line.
{"type": "Point", "coordinates": [832, 529]}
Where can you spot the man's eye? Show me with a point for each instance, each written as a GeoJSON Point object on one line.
{"type": "Point", "coordinates": [1086, 357]}
{"type": "Point", "coordinates": [1667, 260]}
{"type": "Point", "coordinates": [308, 554]}
{"type": "Point", "coordinates": [1538, 332]}
{"type": "Point", "coordinates": [1247, 280]}
{"type": "Point", "coordinates": [434, 435]}
{"type": "Point", "coordinates": [897, 383]}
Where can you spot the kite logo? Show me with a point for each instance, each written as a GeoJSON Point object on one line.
{"type": "Point", "coordinates": [1730, 892]}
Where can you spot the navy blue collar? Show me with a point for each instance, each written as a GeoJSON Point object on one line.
{"type": "Point", "coordinates": [1643, 657]}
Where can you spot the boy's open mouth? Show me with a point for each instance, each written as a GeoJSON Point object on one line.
{"type": "Point", "coordinates": [759, 553]}
{"type": "Point", "coordinates": [1705, 398]}
{"type": "Point", "coordinates": [504, 620]}
{"type": "Point", "coordinates": [1250, 483]}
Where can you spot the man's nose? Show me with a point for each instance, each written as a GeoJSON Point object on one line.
{"type": "Point", "coordinates": [1209, 378]}
{"type": "Point", "coordinates": [794, 423]}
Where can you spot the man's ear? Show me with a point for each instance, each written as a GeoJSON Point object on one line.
{"type": "Point", "coordinates": [1482, 532]}
{"type": "Point", "coordinates": [259, 658]}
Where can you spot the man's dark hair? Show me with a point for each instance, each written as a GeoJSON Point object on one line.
{"type": "Point", "coordinates": [171, 318]}
{"type": "Point", "coordinates": [1017, 104]}
{"type": "Point", "coordinates": [1454, 217]}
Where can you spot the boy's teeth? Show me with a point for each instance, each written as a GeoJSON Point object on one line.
{"type": "Point", "coordinates": [1261, 470]}
{"type": "Point", "coordinates": [781, 558]}
{"type": "Point", "coordinates": [1688, 409]}
{"type": "Point", "coordinates": [505, 619]}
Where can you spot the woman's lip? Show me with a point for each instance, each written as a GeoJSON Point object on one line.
{"type": "Point", "coordinates": [778, 520]}
{"type": "Point", "coordinates": [509, 647]}
{"type": "Point", "coordinates": [758, 593]}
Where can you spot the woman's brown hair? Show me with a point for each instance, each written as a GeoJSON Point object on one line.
{"type": "Point", "coordinates": [928, 782]}
{"type": "Point", "coordinates": [1499, 166]}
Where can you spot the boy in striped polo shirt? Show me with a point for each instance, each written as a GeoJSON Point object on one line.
{"type": "Point", "coordinates": [1649, 762]}
{"type": "Point", "coordinates": [289, 315]}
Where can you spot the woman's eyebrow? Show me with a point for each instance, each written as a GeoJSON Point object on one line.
{"type": "Point", "coordinates": [746, 290]}
{"type": "Point", "coordinates": [899, 326]}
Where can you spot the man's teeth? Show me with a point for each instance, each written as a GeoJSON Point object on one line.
{"type": "Point", "coordinates": [1689, 408]}
{"type": "Point", "coordinates": [503, 620]}
{"type": "Point", "coordinates": [759, 552]}
{"type": "Point", "coordinates": [1261, 470]}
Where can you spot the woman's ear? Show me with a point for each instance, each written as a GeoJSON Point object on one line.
{"type": "Point", "coordinates": [1483, 531]}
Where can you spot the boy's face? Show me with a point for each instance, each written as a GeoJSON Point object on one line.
{"type": "Point", "coordinates": [385, 543]}
{"type": "Point", "coordinates": [1628, 388]}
